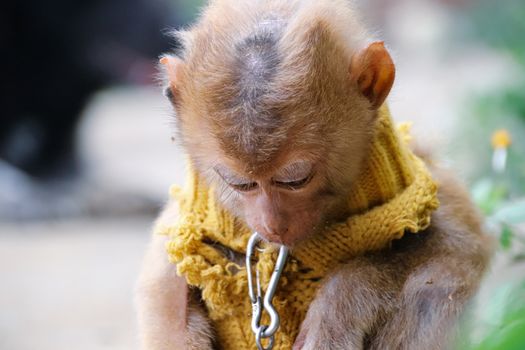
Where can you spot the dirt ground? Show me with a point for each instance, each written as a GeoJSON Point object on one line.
{"type": "Point", "coordinates": [69, 284]}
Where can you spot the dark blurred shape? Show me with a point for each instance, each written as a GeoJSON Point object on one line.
{"type": "Point", "coordinates": [55, 55]}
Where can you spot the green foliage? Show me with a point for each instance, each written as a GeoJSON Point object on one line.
{"type": "Point", "coordinates": [501, 24]}
{"type": "Point", "coordinates": [505, 238]}
{"type": "Point", "coordinates": [509, 213]}
{"type": "Point", "coordinates": [505, 213]}
{"type": "Point", "coordinates": [511, 336]}
{"type": "Point", "coordinates": [502, 109]}
{"type": "Point", "coordinates": [487, 195]}
{"type": "Point", "coordinates": [500, 196]}
{"type": "Point", "coordinates": [508, 329]}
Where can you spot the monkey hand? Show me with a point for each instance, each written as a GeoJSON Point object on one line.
{"type": "Point", "coordinates": [345, 308]}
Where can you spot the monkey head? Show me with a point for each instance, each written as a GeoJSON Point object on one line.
{"type": "Point", "coordinates": [278, 119]}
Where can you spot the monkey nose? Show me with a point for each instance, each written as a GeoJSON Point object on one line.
{"type": "Point", "coordinates": [270, 229]}
{"type": "Point", "coordinates": [271, 237]}
{"type": "Point", "coordinates": [273, 233]}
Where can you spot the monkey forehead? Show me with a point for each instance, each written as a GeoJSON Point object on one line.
{"type": "Point", "coordinates": [255, 148]}
{"type": "Point", "coordinates": [246, 53]}
{"type": "Point", "coordinates": [291, 162]}
{"type": "Point", "coordinates": [259, 76]}
{"type": "Point", "coordinates": [243, 101]}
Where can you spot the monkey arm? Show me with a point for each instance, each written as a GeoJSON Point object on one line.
{"type": "Point", "coordinates": [169, 315]}
{"type": "Point", "coordinates": [348, 306]}
{"type": "Point", "coordinates": [370, 304]}
{"type": "Point", "coordinates": [431, 300]}
{"type": "Point", "coordinates": [444, 273]}
{"type": "Point", "coordinates": [408, 297]}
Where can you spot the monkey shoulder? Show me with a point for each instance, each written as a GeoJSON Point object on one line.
{"type": "Point", "coordinates": [454, 242]}
{"type": "Point", "coordinates": [168, 215]}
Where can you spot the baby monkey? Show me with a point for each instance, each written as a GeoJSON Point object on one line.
{"type": "Point", "coordinates": [280, 108]}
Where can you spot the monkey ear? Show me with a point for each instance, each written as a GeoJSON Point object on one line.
{"type": "Point", "coordinates": [173, 67]}
{"type": "Point", "coordinates": [373, 70]}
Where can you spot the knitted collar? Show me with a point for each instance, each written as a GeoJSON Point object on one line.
{"type": "Point", "coordinates": [394, 194]}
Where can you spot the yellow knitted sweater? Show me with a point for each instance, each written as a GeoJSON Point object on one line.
{"type": "Point", "coordinates": [394, 194]}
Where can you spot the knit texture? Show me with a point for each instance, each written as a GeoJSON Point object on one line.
{"type": "Point", "coordinates": [393, 195]}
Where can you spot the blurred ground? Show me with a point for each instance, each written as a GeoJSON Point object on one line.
{"type": "Point", "coordinates": [67, 283]}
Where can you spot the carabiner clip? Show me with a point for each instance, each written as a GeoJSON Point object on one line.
{"type": "Point", "coordinates": [264, 331]}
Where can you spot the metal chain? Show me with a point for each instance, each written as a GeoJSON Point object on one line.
{"type": "Point", "coordinates": [263, 302]}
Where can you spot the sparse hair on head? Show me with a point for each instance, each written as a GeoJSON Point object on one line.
{"type": "Point", "coordinates": [259, 76]}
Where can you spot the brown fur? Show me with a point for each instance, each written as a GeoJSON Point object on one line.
{"type": "Point", "coordinates": [407, 297]}
{"type": "Point", "coordinates": [256, 86]}
{"type": "Point", "coordinates": [170, 316]}
{"type": "Point", "coordinates": [260, 85]}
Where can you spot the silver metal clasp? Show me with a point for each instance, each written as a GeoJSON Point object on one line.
{"type": "Point", "coordinates": [262, 302]}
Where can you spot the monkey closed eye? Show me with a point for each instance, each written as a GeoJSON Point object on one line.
{"type": "Point", "coordinates": [245, 187]}
{"type": "Point", "coordinates": [294, 184]}
{"type": "Point", "coordinates": [234, 181]}
{"type": "Point", "coordinates": [294, 176]}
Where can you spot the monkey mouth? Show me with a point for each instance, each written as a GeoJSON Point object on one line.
{"type": "Point", "coordinates": [287, 240]}
{"type": "Point", "coordinates": [272, 238]}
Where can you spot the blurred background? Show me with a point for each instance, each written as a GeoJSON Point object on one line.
{"type": "Point", "coordinates": [87, 156]}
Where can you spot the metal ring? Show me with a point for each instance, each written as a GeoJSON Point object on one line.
{"type": "Point", "coordinates": [258, 339]}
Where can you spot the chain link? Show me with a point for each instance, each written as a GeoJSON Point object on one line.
{"type": "Point", "coordinates": [263, 302]}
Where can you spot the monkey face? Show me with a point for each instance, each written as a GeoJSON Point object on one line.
{"type": "Point", "coordinates": [285, 205]}
{"type": "Point", "coordinates": [281, 131]}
